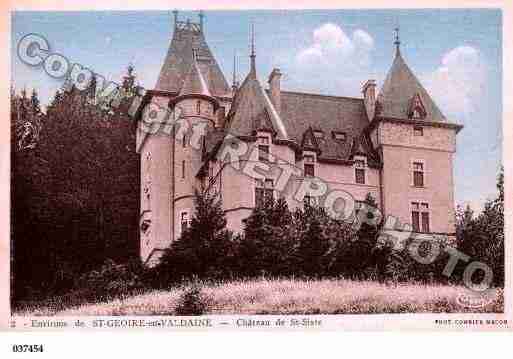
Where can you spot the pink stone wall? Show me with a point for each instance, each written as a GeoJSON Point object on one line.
{"type": "Point", "coordinates": [435, 149]}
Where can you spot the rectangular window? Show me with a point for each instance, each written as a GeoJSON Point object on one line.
{"type": "Point", "coordinates": [184, 141]}
{"type": "Point", "coordinates": [310, 201]}
{"type": "Point", "coordinates": [309, 165]}
{"type": "Point", "coordinates": [420, 217]}
{"type": "Point", "coordinates": [264, 192]}
{"type": "Point", "coordinates": [418, 131]}
{"type": "Point", "coordinates": [183, 169]}
{"type": "Point", "coordinates": [418, 174]}
{"type": "Point", "coordinates": [339, 136]}
{"type": "Point", "coordinates": [318, 134]}
{"type": "Point", "coordinates": [359, 171]}
{"type": "Point", "coordinates": [263, 149]}
{"type": "Point", "coordinates": [425, 222]}
{"type": "Point", "coordinates": [184, 221]}
{"type": "Point", "coordinates": [415, 221]}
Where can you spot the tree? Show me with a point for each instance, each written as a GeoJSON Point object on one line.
{"type": "Point", "coordinates": [266, 246]}
{"type": "Point", "coordinates": [205, 248]}
{"type": "Point", "coordinates": [314, 246]}
{"type": "Point", "coordinates": [482, 237]}
{"type": "Point", "coordinates": [75, 187]}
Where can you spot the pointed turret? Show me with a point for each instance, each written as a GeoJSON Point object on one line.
{"type": "Point", "coordinates": [188, 35]}
{"type": "Point", "coordinates": [252, 110]}
{"type": "Point", "coordinates": [401, 86]}
{"type": "Point", "coordinates": [194, 83]}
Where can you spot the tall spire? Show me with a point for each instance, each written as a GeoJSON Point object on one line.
{"type": "Point", "coordinates": [397, 42]}
{"type": "Point", "coordinates": [252, 55]}
{"type": "Point", "coordinates": [234, 75]}
{"type": "Point", "coordinates": [175, 16]}
{"type": "Point", "coordinates": [201, 15]}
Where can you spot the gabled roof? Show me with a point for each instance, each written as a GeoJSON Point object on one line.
{"type": "Point", "coordinates": [398, 90]}
{"type": "Point", "coordinates": [416, 105]}
{"type": "Point", "coordinates": [186, 37]}
{"type": "Point", "coordinates": [252, 110]}
{"type": "Point", "coordinates": [309, 140]}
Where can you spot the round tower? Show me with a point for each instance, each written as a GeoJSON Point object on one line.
{"type": "Point", "coordinates": [197, 117]}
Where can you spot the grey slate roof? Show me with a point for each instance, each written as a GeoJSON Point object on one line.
{"type": "Point", "coordinates": [299, 111]}
{"type": "Point", "coordinates": [194, 82]}
{"type": "Point", "coordinates": [399, 89]}
{"type": "Point", "coordinates": [252, 110]}
{"type": "Point", "coordinates": [178, 61]}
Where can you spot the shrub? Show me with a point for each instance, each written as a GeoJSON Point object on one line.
{"type": "Point", "coordinates": [111, 280]}
{"type": "Point", "coordinates": [192, 302]}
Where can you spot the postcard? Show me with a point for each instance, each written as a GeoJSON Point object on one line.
{"type": "Point", "coordinates": [271, 169]}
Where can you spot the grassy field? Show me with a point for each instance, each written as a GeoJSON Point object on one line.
{"type": "Point", "coordinates": [290, 296]}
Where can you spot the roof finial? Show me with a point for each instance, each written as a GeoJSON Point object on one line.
{"type": "Point", "coordinates": [397, 42]}
{"type": "Point", "coordinates": [130, 68]}
{"type": "Point", "coordinates": [234, 79]}
{"type": "Point", "coordinates": [252, 39]}
{"type": "Point", "coordinates": [175, 14]}
{"type": "Point", "coordinates": [201, 16]}
{"type": "Point", "coordinates": [252, 55]}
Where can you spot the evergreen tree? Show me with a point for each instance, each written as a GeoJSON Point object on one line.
{"type": "Point", "coordinates": [205, 248]}
{"type": "Point", "coordinates": [267, 246]}
{"type": "Point", "coordinates": [482, 237]}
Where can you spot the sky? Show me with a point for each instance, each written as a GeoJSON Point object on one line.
{"type": "Point", "coordinates": [456, 54]}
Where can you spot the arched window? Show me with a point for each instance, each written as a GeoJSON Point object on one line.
{"type": "Point", "coordinates": [198, 107]}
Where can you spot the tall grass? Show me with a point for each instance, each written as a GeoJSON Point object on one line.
{"type": "Point", "coordinates": [287, 296]}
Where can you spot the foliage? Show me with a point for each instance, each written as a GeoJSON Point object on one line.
{"type": "Point", "coordinates": [111, 280]}
{"type": "Point", "coordinates": [75, 189]}
{"type": "Point", "coordinates": [205, 248]}
{"type": "Point", "coordinates": [266, 246]}
{"type": "Point", "coordinates": [192, 302]}
{"type": "Point", "coordinates": [482, 237]}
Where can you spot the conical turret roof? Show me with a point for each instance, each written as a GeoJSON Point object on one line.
{"type": "Point", "coordinates": [194, 82]}
{"type": "Point", "coordinates": [252, 110]}
{"type": "Point", "coordinates": [399, 88]}
{"type": "Point", "coordinates": [188, 36]}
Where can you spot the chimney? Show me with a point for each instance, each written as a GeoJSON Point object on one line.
{"type": "Point", "coordinates": [274, 86]}
{"type": "Point", "coordinates": [369, 98]}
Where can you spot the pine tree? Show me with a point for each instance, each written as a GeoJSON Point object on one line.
{"type": "Point", "coordinates": [205, 248]}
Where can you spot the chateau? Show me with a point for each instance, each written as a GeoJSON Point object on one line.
{"type": "Point", "coordinates": [394, 144]}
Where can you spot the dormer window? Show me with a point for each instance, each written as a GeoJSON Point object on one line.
{"type": "Point", "coordinates": [264, 191]}
{"type": "Point", "coordinates": [319, 134]}
{"type": "Point", "coordinates": [416, 110]}
{"type": "Point", "coordinates": [340, 136]}
{"type": "Point", "coordinates": [359, 171]}
{"type": "Point", "coordinates": [309, 165]}
{"type": "Point", "coordinates": [263, 149]}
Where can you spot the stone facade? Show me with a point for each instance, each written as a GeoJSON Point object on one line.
{"type": "Point", "coordinates": [395, 145]}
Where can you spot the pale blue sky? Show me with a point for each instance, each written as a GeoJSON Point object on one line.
{"type": "Point", "coordinates": [457, 55]}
